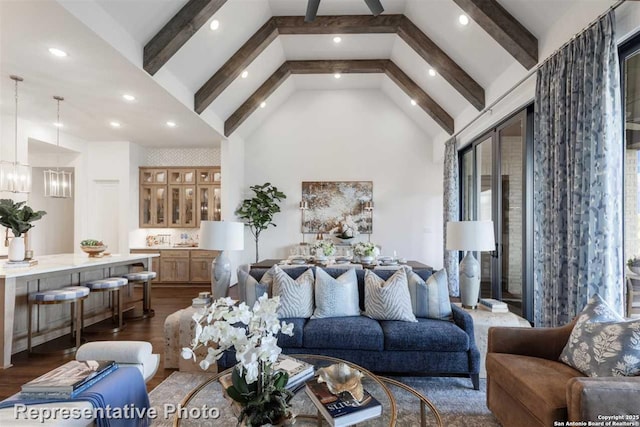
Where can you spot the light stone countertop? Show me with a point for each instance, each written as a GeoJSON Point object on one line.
{"type": "Point", "coordinates": [61, 262]}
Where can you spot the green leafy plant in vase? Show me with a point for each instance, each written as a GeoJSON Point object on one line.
{"type": "Point", "coordinates": [257, 212]}
{"type": "Point", "coordinates": [19, 218]}
{"type": "Point", "coordinates": [258, 389]}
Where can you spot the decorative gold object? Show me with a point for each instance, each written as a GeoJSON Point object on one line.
{"type": "Point", "coordinates": [340, 378]}
{"type": "Point", "coordinates": [94, 251]}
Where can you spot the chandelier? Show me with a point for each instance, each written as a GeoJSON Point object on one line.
{"type": "Point", "coordinates": [57, 183]}
{"type": "Point", "coordinates": [15, 177]}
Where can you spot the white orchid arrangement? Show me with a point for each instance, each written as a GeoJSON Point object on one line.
{"type": "Point", "coordinates": [365, 249]}
{"type": "Point", "coordinates": [253, 334]}
{"type": "Point", "coordinates": [346, 229]}
{"type": "Point", "coordinates": [326, 247]}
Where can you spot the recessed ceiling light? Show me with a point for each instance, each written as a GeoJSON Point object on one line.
{"type": "Point", "coordinates": [463, 19]}
{"type": "Point", "coordinates": [128, 97]}
{"type": "Point", "coordinates": [432, 72]}
{"type": "Point", "coordinates": [337, 39]}
{"type": "Point", "coordinates": [215, 24]}
{"type": "Point", "coordinates": [337, 75]}
{"type": "Point", "coordinates": [263, 104]}
{"type": "Point", "coordinates": [413, 102]}
{"type": "Point", "coordinates": [58, 124]}
{"type": "Point", "coordinates": [171, 124]}
{"type": "Point", "coordinates": [57, 52]}
{"type": "Point", "coordinates": [244, 74]}
{"type": "Point", "coordinates": [115, 124]}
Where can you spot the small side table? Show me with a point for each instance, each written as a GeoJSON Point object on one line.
{"type": "Point", "coordinates": [482, 321]}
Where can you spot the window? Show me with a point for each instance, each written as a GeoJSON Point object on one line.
{"type": "Point", "coordinates": [630, 75]}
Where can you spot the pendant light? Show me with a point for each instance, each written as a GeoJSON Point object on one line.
{"type": "Point", "coordinates": [57, 183]}
{"type": "Point", "coordinates": [15, 177]}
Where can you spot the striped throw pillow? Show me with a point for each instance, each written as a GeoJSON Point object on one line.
{"type": "Point", "coordinates": [388, 300]}
{"type": "Point", "coordinates": [430, 299]}
{"type": "Point", "coordinates": [296, 296]}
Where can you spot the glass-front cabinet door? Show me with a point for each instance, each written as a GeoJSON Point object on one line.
{"type": "Point", "coordinates": [208, 203]}
{"type": "Point", "coordinates": [153, 206]}
{"type": "Point", "coordinates": [182, 203]}
{"type": "Point", "coordinates": [182, 176]}
{"type": "Point", "coordinates": [153, 176]}
{"type": "Point", "coordinates": [209, 176]}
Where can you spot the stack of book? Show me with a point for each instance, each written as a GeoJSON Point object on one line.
{"type": "Point", "coordinates": [493, 305]}
{"type": "Point", "coordinates": [203, 300]}
{"type": "Point", "coordinates": [68, 380]}
{"type": "Point", "coordinates": [342, 410]}
{"type": "Point", "coordinates": [298, 371]}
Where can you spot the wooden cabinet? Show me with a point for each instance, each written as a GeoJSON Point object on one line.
{"type": "Point", "coordinates": [181, 176]}
{"type": "Point", "coordinates": [208, 203]}
{"type": "Point", "coordinates": [153, 206]}
{"type": "Point", "coordinates": [153, 176]}
{"type": "Point", "coordinates": [181, 265]}
{"type": "Point", "coordinates": [174, 265]}
{"type": "Point", "coordinates": [182, 204]}
{"type": "Point", "coordinates": [171, 197]}
{"type": "Point", "coordinates": [201, 265]}
{"type": "Point", "coordinates": [209, 176]}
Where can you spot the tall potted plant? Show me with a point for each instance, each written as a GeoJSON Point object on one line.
{"type": "Point", "coordinates": [257, 212]}
{"type": "Point", "coordinates": [19, 218]}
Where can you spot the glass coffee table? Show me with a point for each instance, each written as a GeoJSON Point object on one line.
{"type": "Point", "coordinates": [414, 408]}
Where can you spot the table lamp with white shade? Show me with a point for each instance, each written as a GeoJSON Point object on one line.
{"type": "Point", "coordinates": [470, 236]}
{"type": "Point", "coordinates": [223, 236]}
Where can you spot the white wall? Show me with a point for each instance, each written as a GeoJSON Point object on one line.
{"type": "Point", "coordinates": [344, 136]}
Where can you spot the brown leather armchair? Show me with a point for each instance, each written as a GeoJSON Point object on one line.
{"type": "Point", "coordinates": [528, 386]}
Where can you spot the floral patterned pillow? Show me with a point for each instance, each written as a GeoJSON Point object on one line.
{"type": "Point", "coordinates": [602, 344]}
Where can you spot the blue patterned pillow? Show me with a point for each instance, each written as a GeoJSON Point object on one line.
{"type": "Point", "coordinates": [388, 300]}
{"type": "Point", "coordinates": [336, 297]}
{"type": "Point", "coordinates": [430, 299]}
{"type": "Point", "coordinates": [602, 344]}
{"type": "Point", "coordinates": [250, 289]}
{"type": "Point", "coordinates": [296, 296]}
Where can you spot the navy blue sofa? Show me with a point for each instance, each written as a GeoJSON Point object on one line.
{"type": "Point", "coordinates": [429, 347]}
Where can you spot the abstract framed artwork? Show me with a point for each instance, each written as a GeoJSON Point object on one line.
{"type": "Point", "coordinates": [330, 202]}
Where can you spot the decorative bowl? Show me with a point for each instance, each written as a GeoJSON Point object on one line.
{"type": "Point", "coordinates": [94, 251]}
{"type": "Point", "coordinates": [340, 378]}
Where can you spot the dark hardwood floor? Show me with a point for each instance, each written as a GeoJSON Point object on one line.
{"type": "Point", "coordinates": [165, 301]}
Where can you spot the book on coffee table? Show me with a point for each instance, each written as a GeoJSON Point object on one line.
{"type": "Point", "coordinates": [297, 370]}
{"type": "Point", "coordinates": [493, 305]}
{"type": "Point", "coordinates": [67, 380]}
{"type": "Point", "coordinates": [342, 410]}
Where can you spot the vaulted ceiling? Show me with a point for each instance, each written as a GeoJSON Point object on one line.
{"type": "Point", "coordinates": [262, 51]}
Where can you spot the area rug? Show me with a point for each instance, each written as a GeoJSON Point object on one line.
{"type": "Point", "coordinates": [458, 404]}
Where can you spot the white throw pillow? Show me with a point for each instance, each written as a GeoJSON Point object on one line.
{"type": "Point", "coordinates": [336, 297]}
{"type": "Point", "coordinates": [388, 300]}
{"type": "Point", "coordinates": [296, 296]}
{"type": "Point", "coordinates": [430, 299]}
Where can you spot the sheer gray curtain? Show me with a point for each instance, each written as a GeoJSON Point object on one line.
{"type": "Point", "coordinates": [578, 177]}
{"type": "Point", "coordinates": [451, 205]}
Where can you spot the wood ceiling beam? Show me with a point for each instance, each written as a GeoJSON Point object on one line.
{"type": "Point", "coordinates": [442, 63]}
{"type": "Point", "coordinates": [254, 101]}
{"type": "Point", "coordinates": [235, 65]}
{"type": "Point", "coordinates": [343, 24]}
{"type": "Point", "coordinates": [379, 66]}
{"type": "Point", "coordinates": [415, 92]}
{"type": "Point", "coordinates": [177, 32]}
{"type": "Point", "coordinates": [339, 24]}
{"type": "Point", "coordinates": [504, 28]}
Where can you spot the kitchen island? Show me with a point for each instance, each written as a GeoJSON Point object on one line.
{"type": "Point", "coordinates": [54, 272]}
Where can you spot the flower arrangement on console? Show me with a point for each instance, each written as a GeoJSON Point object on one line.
{"type": "Point", "coordinates": [324, 247]}
{"type": "Point", "coordinates": [366, 249]}
{"type": "Point", "coordinates": [258, 389]}
{"type": "Point", "coordinates": [346, 229]}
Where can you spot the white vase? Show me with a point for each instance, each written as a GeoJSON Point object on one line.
{"type": "Point", "coordinates": [16, 249]}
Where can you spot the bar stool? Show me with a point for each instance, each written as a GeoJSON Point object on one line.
{"type": "Point", "coordinates": [111, 285]}
{"type": "Point", "coordinates": [70, 294]}
{"type": "Point", "coordinates": [144, 277]}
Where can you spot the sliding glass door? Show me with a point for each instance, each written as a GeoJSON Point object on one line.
{"type": "Point", "coordinates": [494, 183]}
